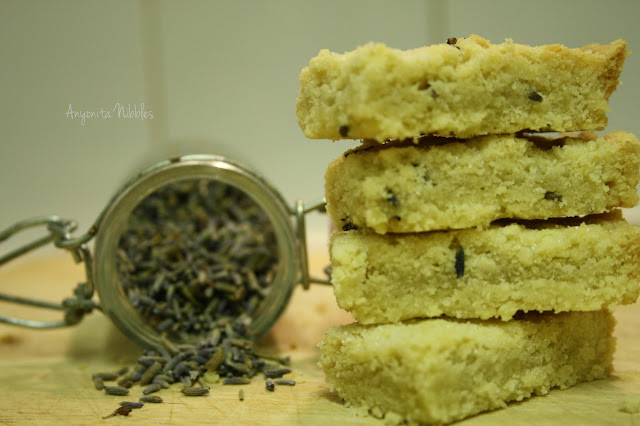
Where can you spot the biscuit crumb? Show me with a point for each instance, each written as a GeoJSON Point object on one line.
{"type": "Point", "coordinates": [321, 307]}
{"type": "Point", "coordinates": [9, 339]}
{"type": "Point", "coordinates": [630, 405]}
{"type": "Point", "coordinates": [393, 419]}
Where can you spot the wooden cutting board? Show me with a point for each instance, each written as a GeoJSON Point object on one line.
{"type": "Point", "coordinates": [45, 375]}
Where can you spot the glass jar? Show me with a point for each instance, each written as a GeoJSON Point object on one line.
{"type": "Point", "coordinates": [287, 226]}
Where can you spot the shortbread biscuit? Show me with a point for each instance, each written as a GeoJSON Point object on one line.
{"type": "Point", "coordinates": [439, 371]}
{"type": "Point", "coordinates": [468, 87]}
{"type": "Point", "coordinates": [436, 184]}
{"type": "Point", "coordinates": [578, 264]}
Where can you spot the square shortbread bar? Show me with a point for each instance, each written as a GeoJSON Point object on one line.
{"type": "Point", "coordinates": [442, 370]}
{"type": "Point", "coordinates": [438, 183]}
{"type": "Point", "coordinates": [577, 264]}
{"type": "Point", "coordinates": [467, 87]}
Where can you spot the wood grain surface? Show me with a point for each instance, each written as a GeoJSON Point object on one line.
{"type": "Point", "coordinates": [45, 375]}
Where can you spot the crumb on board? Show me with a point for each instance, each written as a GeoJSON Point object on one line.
{"type": "Point", "coordinates": [321, 307]}
{"type": "Point", "coordinates": [9, 339]}
{"type": "Point", "coordinates": [630, 404]}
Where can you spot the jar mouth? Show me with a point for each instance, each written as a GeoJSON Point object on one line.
{"type": "Point", "coordinates": [114, 220]}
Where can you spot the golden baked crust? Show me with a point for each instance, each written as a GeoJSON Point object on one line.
{"type": "Point", "coordinates": [433, 185]}
{"type": "Point", "coordinates": [465, 89]}
{"type": "Point", "coordinates": [579, 264]}
{"type": "Point", "coordinates": [439, 371]}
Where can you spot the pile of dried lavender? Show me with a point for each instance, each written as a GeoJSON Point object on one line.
{"type": "Point", "coordinates": [224, 356]}
{"type": "Point", "coordinates": [196, 260]}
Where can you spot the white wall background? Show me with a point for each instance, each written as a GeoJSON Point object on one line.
{"type": "Point", "coordinates": [222, 78]}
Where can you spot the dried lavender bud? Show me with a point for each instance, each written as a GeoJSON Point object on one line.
{"type": "Point", "coordinates": [200, 360]}
{"type": "Point", "coordinates": [176, 360]}
{"type": "Point", "coordinates": [116, 390]}
{"type": "Point", "coordinates": [162, 383]}
{"type": "Point", "coordinates": [349, 226]}
{"type": "Point", "coordinates": [459, 262]}
{"type": "Point", "coordinates": [452, 42]}
{"type": "Point", "coordinates": [105, 376]}
{"type": "Point", "coordinates": [553, 196]}
{"type": "Point", "coordinates": [150, 373]}
{"type": "Point", "coordinates": [154, 399]}
{"type": "Point", "coordinates": [276, 372]}
{"type": "Point", "coordinates": [241, 343]}
{"type": "Point", "coordinates": [125, 380]}
{"type": "Point", "coordinates": [216, 360]}
{"type": "Point", "coordinates": [186, 381]}
{"type": "Point", "coordinates": [154, 387]}
{"type": "Point", "coordinates": [180, 369]}
{"type": "Point", "coordinates": [98, 383]}
{"type": "Point", "coordinates": [122, 371]}
{"type": "Point", "coordinates": [195, 391]}
{"type": "Point", "coordinates": [423, 85]}
{"type": "Point", "coordinates": [284, 360]}
{"type": "Point", "coordinates": [120, 411]}
{"type": "Point", "coordinates": [236, 381]}
{"type": "Point", "coordinates": [135, 375]}
{"type": "Point", "coordinates": [238, 367]}
{"type": "Point", "coordinates": [269, 385]}
{"type": "Point", "coordinates": [132, 404]}
{"type": "Point", "coordinates": [148, 360]}
{"type": "Point", "coordinates": [164, 377]}
{"type": "Point", "coordinates": [391, 197]}
{"type": "Point", "coordinates": [285, 382]}
{"type": "Point", "coordinates": [535, 96]}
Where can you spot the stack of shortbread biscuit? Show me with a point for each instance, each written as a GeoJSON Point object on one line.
{"type": "Point", "coordinates": [480, 257]}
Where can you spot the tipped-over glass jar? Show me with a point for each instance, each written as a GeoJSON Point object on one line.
{"type": "Point", "coordinates": [186, 246]}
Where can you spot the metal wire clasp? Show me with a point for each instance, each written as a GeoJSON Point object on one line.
{"type": "Point", "coordinates": [59, 232]}
{"type": "Point", "coordinates": [300, 210]}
